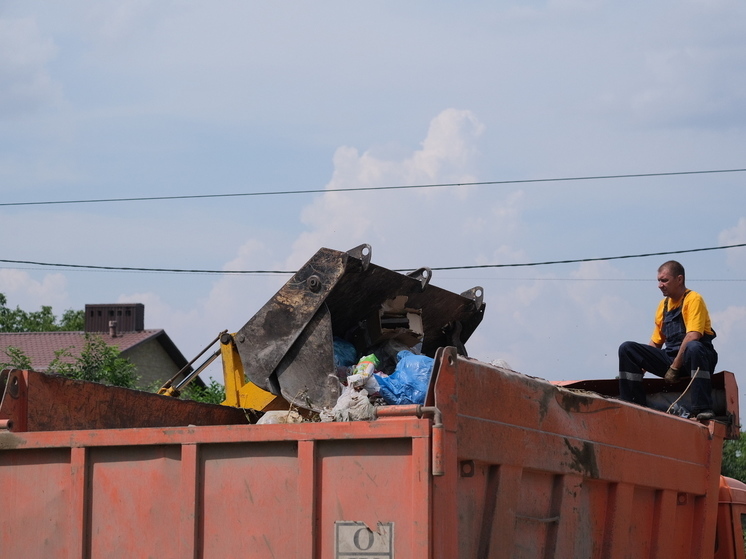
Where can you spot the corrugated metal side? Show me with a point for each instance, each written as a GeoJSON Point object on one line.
{"type": "Point", "coordinates": [214, 492]}
{"type": "Point", "coordinates": [537, 471]}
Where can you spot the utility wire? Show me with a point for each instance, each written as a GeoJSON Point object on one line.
{"type": "Point", "coordinates": [475, 278]}
{"type": "Point", "coordinates": [260, 272]}
{"type": "Point", "coordinates": [588, 259]}
{"type": "Point", "coordinates": [365, 188]}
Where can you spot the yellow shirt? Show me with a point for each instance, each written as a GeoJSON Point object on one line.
{"type": "Point", "coordinates": [696, 316]}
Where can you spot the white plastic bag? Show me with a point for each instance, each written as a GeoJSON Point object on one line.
{"type": "Point", "coordinates": [352, 405]}
{"type": "Point", "coordinates": [280, 416]}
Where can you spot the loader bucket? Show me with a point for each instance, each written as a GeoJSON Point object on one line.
{"type": "Point", "coordinates": [287, 347]}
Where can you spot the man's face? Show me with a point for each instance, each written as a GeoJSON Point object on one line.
{"type": "Point", "coordinates": [670, 285]}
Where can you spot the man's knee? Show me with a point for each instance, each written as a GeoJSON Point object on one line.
{"type": "Point", "coordinates": [700, 356]}
{"type": "Point", "coordinates": [627, 347]}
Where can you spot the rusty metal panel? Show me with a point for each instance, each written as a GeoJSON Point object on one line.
{"type": "Point", "coordinates": [36, 496]}
{"type": "Point", "coordinates": [34, 401]}
{"type": "Point", "coordinates": [544, 471]}
{"type": "Point", "coordinates": [374, 484]}
{"type": "Point", "coordinates": [661, 394]}
{"type": "Point", "coordinates": [131, 501]}
{"type": "Point", "coordinates": [253, 491]}
{"type": "Point", "coordinates": [530, 470]}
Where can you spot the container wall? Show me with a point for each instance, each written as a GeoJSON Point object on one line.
{"type": "Point", "coordinates": [251, 491]}
{"type": "Point", "coordinates": [544, 472]}
{"type": "Point", "coordinates": [531, 471]}
{"type": "Point", "coordinates": [37, 502]}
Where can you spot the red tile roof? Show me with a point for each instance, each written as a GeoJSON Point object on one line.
{"type": "Point", "coordinates": [39, 347]}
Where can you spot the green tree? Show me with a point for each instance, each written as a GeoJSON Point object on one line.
{"type": "Point", "coordinates": [14, 358]}
{"type": "Point", "coordinates": [213, 393]}
{"type": "Point", "coordinates": [97, 362]}
{"type": "Point", "coordinates": [44, 320]}
{"type": "Point", "coordinates": [72, 321]}
{"type": "Point", "coordinates": [734, 459]}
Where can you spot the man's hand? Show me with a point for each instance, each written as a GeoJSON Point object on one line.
{"type": "Point", "coordinates": [672, 375]}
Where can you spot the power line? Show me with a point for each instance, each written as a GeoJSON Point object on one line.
{"type": "Point", "coordinates": [365, 188]}
{"type": "Point", "coordinates": [283, 272]}
{"type": "Point", "coordinates": [604, 258]}
{"type": "Point", "coordinates": [475, 278]}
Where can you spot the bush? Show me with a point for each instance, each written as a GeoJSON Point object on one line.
{"type": "Point", "coordinates": [98, 362]}
{"type": "Point", "coordinates": [734, 459]}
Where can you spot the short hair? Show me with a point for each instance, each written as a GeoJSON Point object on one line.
{"type": "Point", "coordinates": [674, 267]}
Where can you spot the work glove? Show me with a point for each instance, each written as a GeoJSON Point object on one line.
{"type": "Point", "coordinates": [672, 375]}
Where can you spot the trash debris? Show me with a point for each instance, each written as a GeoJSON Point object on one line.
{"type": "Point", "coordinates": [501, 363]}
{"type": "Point", "coordinates": [387, 354]}
{"type": "Point", "coordinates": [282, 416]}
{"type": "Point", "coordinates": [395, 320]}
{"type": "Point", "coordinates": [681, 411]}
{"type": "Point", "coordinates": [363, 371]}
{"type": "Point", "coordinates": [336, 308]}
{"type": "Point", "coordinates": [345, 354]}
{"type": "Point", "coordinates": [408, 383]}
{"type": "Point", "coordinates": [352, 405]}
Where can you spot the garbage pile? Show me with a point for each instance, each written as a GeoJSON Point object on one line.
{"type": "Point", "coordinates": [393, 375]}
{"type": "Point", "coordinates": [286, 348]}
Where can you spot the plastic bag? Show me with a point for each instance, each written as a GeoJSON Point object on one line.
{"type": "Point", "coordinates": [387, 354]}
{"type": "Point", "coordinates": [283, 416]}
{"type": "Point", "coordinates": [345, 354]}
{"type": "Point", "coordinates": [408, 383]}
{"type": "Point", "coordinates": [352, 405]}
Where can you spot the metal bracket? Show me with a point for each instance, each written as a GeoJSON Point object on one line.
{"type": "Point", "coordinates": [476, 294]}
{"type": "Point", "coordinates": [423, 275]}
{"type": "Point", "coordinates": [362, 253]}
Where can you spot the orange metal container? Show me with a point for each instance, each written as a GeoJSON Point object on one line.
{"type": "Point", "coordinates": [528, 469]}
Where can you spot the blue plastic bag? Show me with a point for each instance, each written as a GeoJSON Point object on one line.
{"type": "Point", "coordinates": [408, 383]}
{"type": "Point", "coordinates": [345, 354]}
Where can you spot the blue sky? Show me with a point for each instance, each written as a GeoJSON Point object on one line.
{"type": "Point", "coordinates": [155, 98]}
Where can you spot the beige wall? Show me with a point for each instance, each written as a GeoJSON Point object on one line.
{"type": "Point", "coordinates": [154, 366]}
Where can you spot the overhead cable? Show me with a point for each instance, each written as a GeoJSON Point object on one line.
{"type": "Point", "coordinates": [262, 272]}
{"type": "Point", "coordinates": [365, 188]}
{"type": "Point", "coordinates": [579, 260]}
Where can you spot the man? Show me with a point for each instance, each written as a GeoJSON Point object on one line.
{"type": "Point", "coordinates": [682, 323]}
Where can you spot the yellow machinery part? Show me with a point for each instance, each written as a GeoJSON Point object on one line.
{"type": "Point", "coordinates": [239, 392]}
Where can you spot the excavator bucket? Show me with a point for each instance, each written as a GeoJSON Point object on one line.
{"type": "Point", "coordinates": [287, 347]}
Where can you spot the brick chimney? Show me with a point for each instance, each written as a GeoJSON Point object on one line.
{"type": "Point", "coordinates": [115, 319]}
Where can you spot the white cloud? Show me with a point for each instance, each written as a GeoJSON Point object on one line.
{"type": "Point", "coordinates": [593, 293]}
{"type": "Point", "coordinates": [730, 324]}
{"type": "Point", "coordinates": [734, 236]}
{"type": "Point", "coordinates": [30, 294]}
{"type": "Point", "coordinates": [341, 219]}
{"type": "Point", "coordinates": [730, 321]}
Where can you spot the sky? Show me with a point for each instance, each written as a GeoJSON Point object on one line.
{"type": "Point", "coordinates": [154, 98]}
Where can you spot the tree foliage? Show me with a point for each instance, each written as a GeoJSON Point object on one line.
{"type": "Point", "coordinates": [734, 459]}
{"type": "Point", "coordinates": [44, 320]}
{"type": "Point", "coordinates": [97, 362]}
{"type": "Point", "coordinates": [213, 393]}
{"type": "Point", "coordinates": [14, 358]}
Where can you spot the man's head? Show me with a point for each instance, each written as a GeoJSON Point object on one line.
{"type": "Point", "coordinates": [671, 279]}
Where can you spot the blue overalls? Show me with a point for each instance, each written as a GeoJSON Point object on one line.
{"type": "Point", "coordinates": [700, 359]}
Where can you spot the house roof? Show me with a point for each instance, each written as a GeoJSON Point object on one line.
{"type": "Point", "coordinates": [39, 347]}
